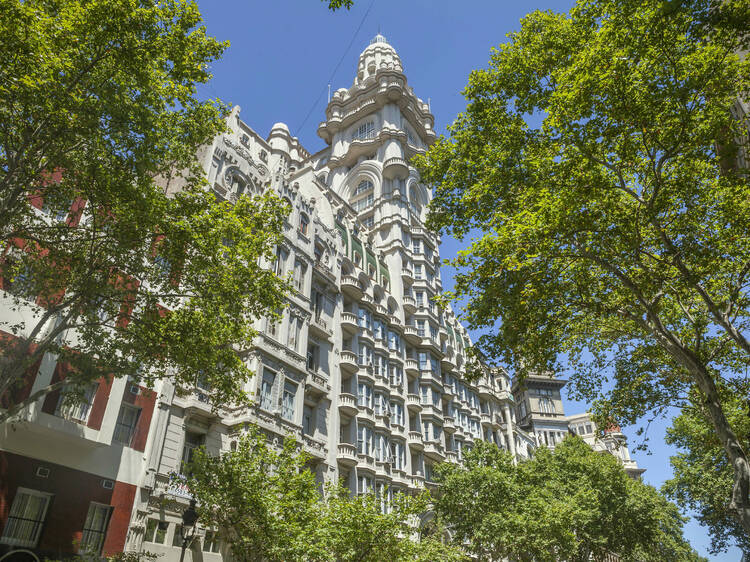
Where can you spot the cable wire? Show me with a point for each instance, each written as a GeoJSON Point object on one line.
{"type": "Point", "coordinates": [335, 70]}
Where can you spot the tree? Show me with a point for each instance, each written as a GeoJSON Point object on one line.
{"type": "Point", "coordinates": [263, 501]}
{"type": "Point", "coordinates": [702, 477]}
{"type": "Point", "coordinates": [336, 4]}
{"type": "Point", "coordinates": [116, 258]}
{"type": "Point", "coordinates": [267, 506]}
{"type": "Point", "coordinates": [569, 504]}
{"type": "Point", "coordinates": [615, 231]}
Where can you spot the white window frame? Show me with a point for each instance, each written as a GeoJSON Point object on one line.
{"type": "Point", "coordinates": [38, 522]}
{"type": "Point", "coordinates": [89, 546]}
{"type": "Point", "coordinates": [116, 437]}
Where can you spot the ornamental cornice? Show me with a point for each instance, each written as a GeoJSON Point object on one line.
{"type": "Point", "coordinates": [389, 86]}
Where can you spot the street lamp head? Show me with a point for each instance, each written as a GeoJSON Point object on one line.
{"type": "Point", "coordinates": [189, 516]}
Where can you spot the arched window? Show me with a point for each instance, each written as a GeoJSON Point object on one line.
{"type": "Point", "coordinates": [362, 187]}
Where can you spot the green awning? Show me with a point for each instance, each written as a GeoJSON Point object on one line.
{"type": "Point", "coordinates": [356, 246]}
{"type": "Point", "coordinates": [344, 236]}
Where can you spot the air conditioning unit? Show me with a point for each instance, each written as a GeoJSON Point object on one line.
{"type": "Point", "coordinates": [42, 472]}
{"type": "Point", "coordinates": [108, 484]}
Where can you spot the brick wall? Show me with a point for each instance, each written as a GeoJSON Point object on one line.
{"type": "Point", "coordinates": [73, 491]}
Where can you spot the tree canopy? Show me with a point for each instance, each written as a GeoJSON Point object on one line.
{"type": "Point", "coordinates": [570, 504]}
{"type": "Point", "coordinates": [109, 267]}
{"type": "Point", "coordinates": [602, 156]}
{"type": "Point", "coordinates": [268, 506]}
{"type": "Point", "coordinates": [702, 476]}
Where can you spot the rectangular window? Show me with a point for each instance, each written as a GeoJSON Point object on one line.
{"type": "Point", "coordinates": [156, 531]}
{"type": "Point", "coordinates": [308, 426]}
{"type": "Point", "coordinates": [211, 542]}
{"type": "Point", "coordinates": [287, 403]}
{"type": "Point", "coordinates": [126, 423]}
{"type": "Point", "coordinates": [313, 357]}
{"type": "Point", "coordinates": [416, 247]}
{"type": "Point", "coordinates": [26, 517]}
{"type": "Point", "coordinates": [364, 395]}
{"type": "Point", "coordinates": [364, 131]}
{"type": "Point", "coordinates": [76, 408]}
{"type": "Point", "coordinates": [266, 390]}
{"type": "Point", "coordinates": [95, 528]}
{"type": "Point", "coordinates": [193, 441]}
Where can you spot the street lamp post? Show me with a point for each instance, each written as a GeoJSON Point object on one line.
{"type": "Point", "coordinates": [187, 531]}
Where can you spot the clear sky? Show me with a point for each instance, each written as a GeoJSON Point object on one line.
{"type": "Point", "coordinates": [284, 53]}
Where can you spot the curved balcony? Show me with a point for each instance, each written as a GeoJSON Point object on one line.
{"type": "Point", "coordinates": [395, 321]}
{"type": "Point", "coordinates": [417, 481]}
{"type": "Point", "coordinates": [366, 335]}
{"type": "Point", "coordinates": [348, 362]}
{"type": "Point", "coordinates": [411, 367]}
{"type": "Point", "coordinates": [365, 462]}
{"type": "Point", "coordinates": [447, 361]}
{"type": "Point", "coordinates": [431, 377]}
{"type": "Point", "coordinates": [380, 309]}
{"type": "Point", "coordinates": [412, 335]}
{"type": "Point", "coordinates": [409, 304]}
{"type": "Point", "coordinates": [347, 404]}
{"type": "Point", "coordinates": [485, 419]}
{"type": "Point", "coordinates": [347, 454]}
{"type": "Point", "coordinates": [366, 415]}
{"type": "Point", "coordinates": [350, 285]}
{"type": "Point", "coordinates": [443, 333]}
{"type": "Point", "coordinates": [451, 456]}
{"type": "Point", "coordinates": [364, 373]}
{"type": "Point", "coordinates": [485, 390]}
{"type": "Point", "coordinates": [382, 383]}
{"type": "Point", "coordinates": [415, 440]}
{"type": "Point", "coordinates": [407, 275]}
{"type": "Point", "coordinates": [395, 167]}
{"type": "Point", "coordinates": [449, 425]}
{"type": "Point", "coordinates": [413, 402]}
{"type": "Point", "coordinates": [382, 422]}
{"type": "Point", "coordinates": [366, 298]}
{"type": "Point", "coordinates": [433, 450]}
{"type": "Point", "coordinates": [349, 322]}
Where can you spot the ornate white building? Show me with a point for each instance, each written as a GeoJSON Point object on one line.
{"type": "Point", "coordinates": [364, 370]}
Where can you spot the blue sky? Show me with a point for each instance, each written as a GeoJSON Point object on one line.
{"type": "Point", "coordinates": [284, 53]}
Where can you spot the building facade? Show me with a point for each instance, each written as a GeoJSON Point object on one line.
{"type": "Point", "coordinates": [363, 370]}
{"type": "Point", "coordinates": [540, 412]}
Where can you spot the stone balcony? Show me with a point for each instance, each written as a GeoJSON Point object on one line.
{"type": "Point", "coordinates": [434, 450]}
{"type": "Point", "coordinates": [411, 367]}
{"type": "Point", "coordinates": [348, 362]}
{"type": "Point", "coordinates": [395, 167]}
{"type": "Point", "coordinates": [414, 440]}
{"type": "Point", "coordinates": [411, 335]}
{"type": "Point", "coordinates": [321, 327]}
{"type": "Point", "coordinates": [347, 404]}
{"type": "Point", "coordinates": [413, 402]}
{"type": "Point", "coordinates": [347, 454]}
{"type": "Point", "coordinates": [409, 304]}
{"type": "Point", "coordinates": [350, 285]}
{"type": "Point", "coordinates": [349, 322]}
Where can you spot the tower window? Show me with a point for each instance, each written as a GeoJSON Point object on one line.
{"type": "Point", "coordinates": [365, 131]}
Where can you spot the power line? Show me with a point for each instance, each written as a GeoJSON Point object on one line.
{"type": "Point", "coordinates": [333, 74]}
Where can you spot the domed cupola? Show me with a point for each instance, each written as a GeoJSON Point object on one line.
{"type": "Point", "coordinates": [378, 54]}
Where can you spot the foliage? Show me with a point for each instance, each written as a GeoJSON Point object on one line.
{"type": "Point", "coordinates": [568, 504]}
{"type": "Point", "coordinates": [702, 477]}
{"type": "Point", "coordinates": [267, 506]}
{"type": "Point", "coordinates": [336, 4]}
{"type": "Point", "coordinates": [614, 232]}
{"type": "Point", "coordinates": [103, 207]}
